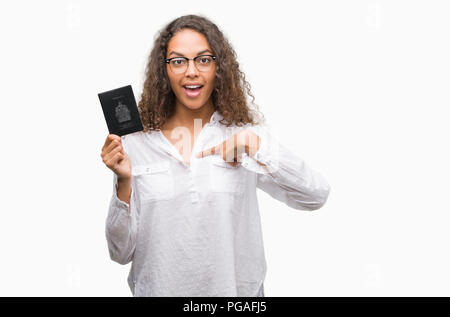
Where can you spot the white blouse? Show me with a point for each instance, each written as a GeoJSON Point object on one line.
{"type": "Point", "coordinates": [195, 230]}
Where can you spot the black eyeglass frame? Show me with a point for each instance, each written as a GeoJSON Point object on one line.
{"type": "Point", "coordinates": [167, 60]}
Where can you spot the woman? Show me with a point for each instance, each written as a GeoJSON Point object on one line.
{"type": "Point", "coordinates": [184, 208]}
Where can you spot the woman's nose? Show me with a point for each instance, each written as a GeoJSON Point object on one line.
{"type": "Point", "coordinates": [191, 69]}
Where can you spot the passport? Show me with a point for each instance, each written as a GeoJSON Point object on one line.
{"type": "Point", "coordinates": [120, 111]}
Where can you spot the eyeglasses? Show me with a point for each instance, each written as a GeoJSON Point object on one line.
{"type": "Point", "coordinates": [179, 65]}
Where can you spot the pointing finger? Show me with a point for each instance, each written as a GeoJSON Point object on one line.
{"type": "Point", "coordinates": [211, 151]}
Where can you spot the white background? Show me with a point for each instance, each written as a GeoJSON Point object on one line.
{"type": "Point", "coordinates": [358, 89]}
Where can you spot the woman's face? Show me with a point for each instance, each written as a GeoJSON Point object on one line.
{"type": "Point", "coordinates": [189, 43]}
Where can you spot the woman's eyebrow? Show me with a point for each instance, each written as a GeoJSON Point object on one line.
{"type": "Point", "coordinates": [176, 53]}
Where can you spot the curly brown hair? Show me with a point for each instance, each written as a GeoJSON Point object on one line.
{"type": "Point", "coordinates": [157, 102]}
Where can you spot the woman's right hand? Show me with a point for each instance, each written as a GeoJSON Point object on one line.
{"type": "Point", "coordinates": [115, 158]}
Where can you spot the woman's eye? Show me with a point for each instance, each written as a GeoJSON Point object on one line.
{"type": "Point", "coordinates": [178, 62]}
{"type": "Point", "coordinates": [204, 60]}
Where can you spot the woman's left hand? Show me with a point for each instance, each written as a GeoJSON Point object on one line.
{"type": "Point", "coordinates": [231, 150]}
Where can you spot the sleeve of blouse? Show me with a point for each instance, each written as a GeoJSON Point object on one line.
{"type": "Point", "coordinates": [286, 177]}
{"type": "Point", "coordinates": [121, 226]}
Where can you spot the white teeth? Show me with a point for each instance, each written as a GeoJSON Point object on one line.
{"type": "Point", "coordinates": [196, 86]}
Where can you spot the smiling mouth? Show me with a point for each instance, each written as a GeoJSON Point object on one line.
{"type": "Point", "coordinates": [192, 87]}
{"type": "Point", "coordinates": [193, 91]}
